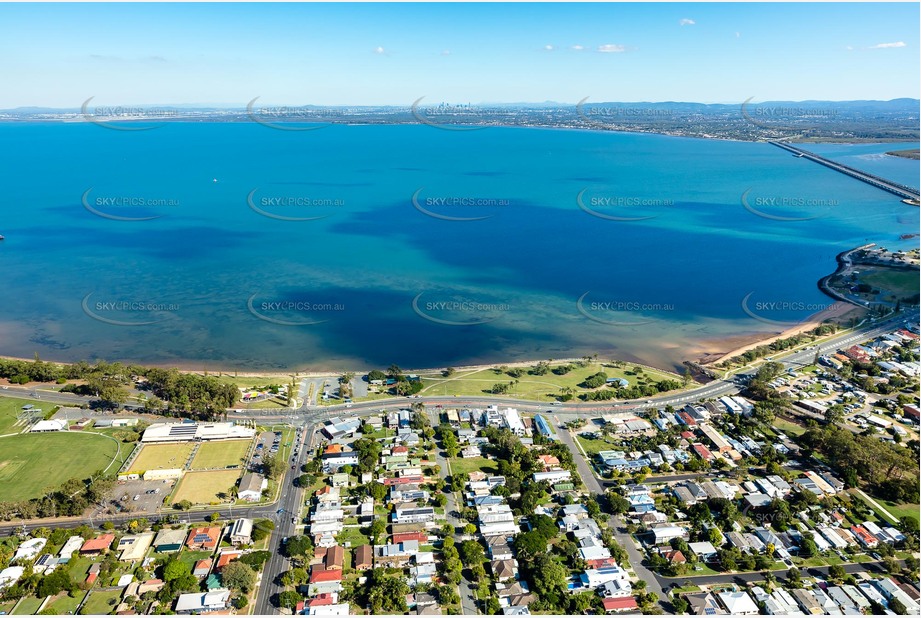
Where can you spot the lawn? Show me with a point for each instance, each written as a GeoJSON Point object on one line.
{"type": "Point", "coordinates": [64, 603]}
{"type": "Point", "coordinates": [28, 606]}
{"type": "Point", "coordinates": [898, 282]}
{"type": "Point", "coordinates": [791, 429]}
{"type": "Point", "coordinates": [466, 465]}
{"type": "Point", "coordinates": [593, 447]}
{"type": "Point", "coordinates": [191, 557]}
{"type": "Point", "coordinates": [352, 536]}
{"type": "Point", "coordinates": [78, 567]}
{"type": "Point", "coordinates": [99, 602]}
{"type": "Point", "coordinates": [30, 464]}
{"type": "Point", "coordinates": [221, 454]}
{"type": "Point", "coordinates": [203, 487]}
{"type": "Point", "coordinates": [901, 510]}
{"type": "Point", "coordinates": [541, 388]}
{"type": "Point", "coordinates": [10, 409]}
{"type": "Point", "coordinates": [162, 457]}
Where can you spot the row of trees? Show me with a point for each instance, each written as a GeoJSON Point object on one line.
{"type": "Point", "coordinates": [72, 498]}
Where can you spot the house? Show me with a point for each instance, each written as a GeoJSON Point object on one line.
{"type": "Point", "coordinates": [226, 558]}
{"type": "Point", "coordinates": [335, 558]}
{"type": "Point", "coordinates": [552, 476]}
{"type": "Point", "coordinates": [504, 569]}
{"type": "Point", "coordinates": [28, 550]}
{"type": "Point", "coordinates": [364, 558]}
{"type": "Point", "coordinates": [203, 538]}
{"type": "Point", "coordinates": [10, 576]}
{"type": "Point", "coordinates": [202, 568]}
{"type": "Point", "coordinates": [807, 601]}
{"type": "Point", "coordinates": [97, 546]}
{"type": "Point", "coordinates": [471, 451]}
{"type": "Point", "coordinates": [251, 487]}
{"type": "Point", "coordinates": [198, 602]}
{"type": "Point", "coordinates": [674, 556]}
{"type": "Point", "coordinates": [241, 532]}
{"type": "Point", "coordinates": [168, 541]}
{"type": "Point", "coordinates": [704, 550]}
{"type": "Point", "coordinates": [73, 544]}
{"type": "Point", "coordinates": [738, 603]}
{"type": "Point", "coordinates": [664, 534]}
{"type": "Point", "coordinates": [413, 515]}
{"type": "Point", "coordinates": [337, 609]}
{"type": "Point", "coordinates": [544, 428]}
{"type": "Point", "coordinates": [704, 604]}
{"type": "Point", "coordinates": [619, 604]}
{"type": "Point", "coordinates": [133, 547]}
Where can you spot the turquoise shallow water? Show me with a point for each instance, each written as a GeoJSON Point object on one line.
{"type": "Point", "coordinates": [372, 275]}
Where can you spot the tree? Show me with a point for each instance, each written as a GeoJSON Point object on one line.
{"type": "Point", "coordinates": [182, 505]}
{"type": "Point", "coordinates": [262, 528]}
{"type": "Point", "coordinates": [617, 503]}
{"type": "Point", "coordinates": [174, 569]}
{"type": "Point", "coordinates": [238, 576]}
{"type": "Point", "coordinates": [378, 529]}
{"type": "Point", "coordinates": [837, 572]}
{"type": "Point", "coordinates": [808, 548]}
{"type": "Point", "coordinates": [298, 547]}
{"type": "Point", "coordinates": [530, 544]}
{"type": "Point", "coordinates": [273, 467]}
{"type": "Point", "coordinates": [794, 579]}
{"type": "Point", "coordinates": [289, 599]}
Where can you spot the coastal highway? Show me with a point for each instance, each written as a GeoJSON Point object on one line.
{"type": "Point", "coordinates": [714, 389]}
{"type": "Point", "coordinates": [287, 518]}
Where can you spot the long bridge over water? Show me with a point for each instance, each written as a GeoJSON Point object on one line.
{"type": "Point", "coordinates": [903, 191]}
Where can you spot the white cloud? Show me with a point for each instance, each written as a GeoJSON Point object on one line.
{"type": "Point", "coordinates": [687, 22]}
{"type": "Point", "coordinates": [849, 48]}
{"type": "Point", "coordinates": [888, 45]}
{"type": "Point", "coordinates": [577, 48]}
{"type": "Point", "coordinates": [380, 51]}
{"type": "Point", "coordinates": [446, 52]}
{"type": "Point", "coordinates": [738, 34]}
{"type": "Point", "coordinates": [549, 48]}
{"type": "Point", "coordinates": [611, 49]}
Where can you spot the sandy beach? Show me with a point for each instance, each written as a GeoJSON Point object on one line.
{"type": "Point", "coordinates": [713, 351]}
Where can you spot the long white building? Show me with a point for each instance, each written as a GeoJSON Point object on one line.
{"type": "Point", "coordinates": [187, 432]}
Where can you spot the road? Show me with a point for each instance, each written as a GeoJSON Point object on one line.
{"type": "Point", "coordinates": [452, 510]}
{"type": "Point", "coordinates": [287, 518]}
{"type": "Point", "coordinates": [615, 522]}
{"type": "Point", "coordinates": [308, 417]}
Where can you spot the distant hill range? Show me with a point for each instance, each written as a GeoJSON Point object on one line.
{"type": "Point", "coordinates": [813, 120]}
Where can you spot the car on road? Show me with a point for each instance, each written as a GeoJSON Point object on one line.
{"type": "Point", "coordinates": [137, 497]}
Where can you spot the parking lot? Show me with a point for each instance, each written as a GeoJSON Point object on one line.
{"type": "Point", "coordinates": [150, 495]}
{"type": "Point", "coordinates": [268, 443]}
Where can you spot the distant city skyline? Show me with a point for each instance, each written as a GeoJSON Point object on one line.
{"type": "Point", "coordinates": [224, 55]}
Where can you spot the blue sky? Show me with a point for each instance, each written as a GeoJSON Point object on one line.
{"type": "Point", "coordinates": [58, 55]}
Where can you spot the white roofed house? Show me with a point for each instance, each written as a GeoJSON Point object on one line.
{"type": "Point", "coordinates": [251, 487]}
{"type": "Point", "coordinates": [241, 532]}
{"type": "Point", "coordinates": [198, 602]}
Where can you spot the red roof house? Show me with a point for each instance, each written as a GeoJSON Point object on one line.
{"type": "Point", "coordinates": [203, 538]}
{"type": "Point", "coordinates": [99, 545]}
{"type": "Point", "coordinates": [621, 604]}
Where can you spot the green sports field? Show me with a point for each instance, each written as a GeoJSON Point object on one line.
{"type": "Point", "coordinates": [221, 454]}
{"type": "Point", "coordinates": [30, 464]}
{"type": "Point", "coordinates": [203, 487]}
{"type": "Point", "coordinates": [10, 409]}
{"type": "Point", "coordinates": [162, 457]}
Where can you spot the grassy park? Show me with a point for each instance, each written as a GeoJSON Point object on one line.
{"type": "Point", "coordinates": [30, 464]}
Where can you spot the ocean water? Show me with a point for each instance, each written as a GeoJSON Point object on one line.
{"type": "Point", "coordinates": [238, 246]}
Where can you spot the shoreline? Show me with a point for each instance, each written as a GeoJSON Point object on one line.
{"type": "Point", "coordinates": [706, 353]}
{"type": "Point", "coordinates": [704, 135]}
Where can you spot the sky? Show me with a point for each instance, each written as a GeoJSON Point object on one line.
{"type": "Point", "coordinates": [59, 55]}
